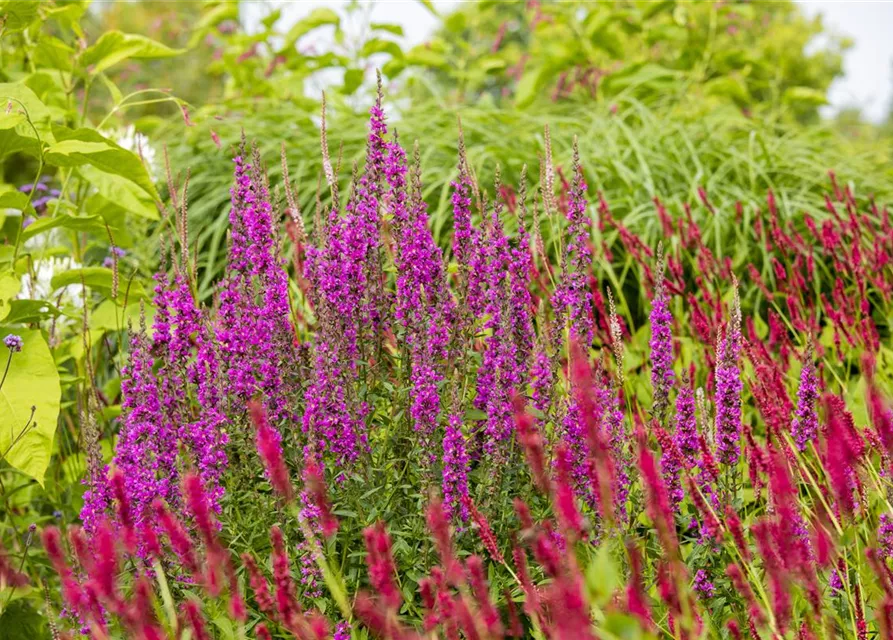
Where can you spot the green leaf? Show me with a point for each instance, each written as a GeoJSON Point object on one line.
{"type": "Point", "coordinates": [9, 287]}
{"type": "Point", "coordinates": [15, 132]}
{"type": "Point", "coordinates": [729, 86]}
{"type": "Point", "coordinates": [602, 577]}
{"type": "Point", "coordinates": [378, 45]}
{"type": "Point", "coordinates": [98, 278]}
{"type": "Point", "coordinates": [529, 86]}
{"type": "Point", "coordinates": [88, 224]}
{"type": "Point", "coordinates": [12, 198]}
{"type": "Point", "coordinates": [121, 192]}
{"type": "Point", "coordinates": [79, 146]}
{"type": "Point", "coordinates": [425, 56]}
{"type": "Point", "coordinates": [20, 621]}
{"type": "Point", "coordinates": [396, 29]}
{"type": "Point", "coordinates": [118, 174]}
{"type": "Point", "coordinates": [804, 95]}
{"type": "Point", "coordinates": [113, 89]}
{"type": "Point", "coordinates": [114, 47]}
{"type": "Point", "coordinates": [18, 14]}
{"type": "Point", "coordinates": [32, 381]}
{"type": "Point", "coordinates": [648, 73]}
{"type": "Point", "coordinates": [53, 53]}
{"type": "Point", "coordinates": [27, 311]}
{"type": "Point", "coordinates": [108, 316]}
{"type": "Point", "coordinates": [353, 78]}
{"type": "Point", "coordinates": [315, 19]}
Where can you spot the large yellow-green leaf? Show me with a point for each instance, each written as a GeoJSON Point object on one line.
{"type": "Point", "coordinates": [18, 14]}
{"type": "Point", "coordinates": [76, 147]}
{"type": "Point", "coordinates": [114, 47]}
{"type": "Point", "coordinates": [18, 104]}
{"type": "Point", "coordinates": [98, 278]}
{"type": "Point", "coordinates": [32, 381]}
{"type": "Point", "coordinates": [9, 287]}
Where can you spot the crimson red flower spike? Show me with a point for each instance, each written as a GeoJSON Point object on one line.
{"type": "Point", "coordinates": [193, 612]}
{"type": "Point", "coordinates": [478, 582]}
{"type": "Point", "coordinates": [464, 617]}
{"type": "Point", "coordinates": [71, 589]}
{"type": "Point", "coordinates": [259, 586]}
{"type": "Point", "coordinates": [485, 533]}
{"type": "Point", "coordinates": [439, 526]}
{"type": "Point", "coordinates": [569, 519]}
{"type": "Point", "coordinates": [515, 630]}
{"type": "Point", "coordinates": [532, 443]}
{"type": "Point", "coordinates": [658, 500]}
{"type": "Point", "coordinates": [179, 539]}
{"type": "Point", "coordinates": [532, 605]}
{"type": "Point", "coordinates": [103, 570]}
{"type": "Point", "coordinates": [286, 599]}
{"type": "Point", "coordinates": [636, 600]}
{"type": "Point", "coordinates": [742, 587]}
{"type": "Point", "coordinates": [269, 447]}
{"type": "Point", "coordinates": [427, 590]}
{"type": "Point", "coordinates": [523, 512]}
{"type": "Point", "coordinates": [733, 524]}
{"type": "Point", "coordinates": [122, 506]}
{"type": "Point", "coordinates": [261, 632]}
{"type": "Point", "coordinates": [9, 576]}
{"type": "Point", "coordinates": [314, 481]}
{"type": "Point", "coordinates": [380, 563]}
{"type": "Point", "coordinates": [601, 464]}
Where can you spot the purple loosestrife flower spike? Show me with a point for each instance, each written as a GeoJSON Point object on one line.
{"type": "Point", "coordinates": [193, 351]}
{"type": "Point", "coordinates": [571, 299]}
{"type": "Point", "coordinates": [253, 329]}
{"type": "Point", "coordinates": [455, 469]}
{"type": "Point", "coordinates": [424, 304]}
{"type": "Point", "coordinates": [686, 435]}
{"type": "Point", "coordinates": [661, 343]}
{"type": "Point", "coordinates": [805, 425]}
{"type": "Point", "coordinates": [520, 268]}
{"type": "Point", "coordinates": [467, 238]}
{"type": "Point", "coordinates": [728, 389]}
{"type": "Point", "coordinates": [147, 444]}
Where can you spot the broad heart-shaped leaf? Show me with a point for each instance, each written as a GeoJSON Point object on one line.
{"type": "Point", "coordinates": [32, 381]}
{"type": "Point", "coordinates": [15, 132]}
{"type": "Point", "coordinates": [76, 147]}
{"type": "Point", "coordinates": [9, 287]}
{"type": "Point", "coordinates": [98, 278]}
{"type": "Point", "coordinates": [12, 198]}
{"type": "Point", "coordinates": [114, 47]}
{"type": "Point", "coordinates": [26, 311]}
{"type": "Point", "coordinates": [89, 224]}
{"type": "Point", "coordinates": [18, 14]}
{"type": "Point", "coordinates": [121, 192]}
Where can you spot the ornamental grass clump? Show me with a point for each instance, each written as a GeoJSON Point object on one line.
{"type": "Point", "coordinates": [388, 437]}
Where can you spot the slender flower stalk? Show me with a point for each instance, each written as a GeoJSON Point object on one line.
{"type": "Point", "coordinates": [805, 425]}
{"type": "Point", "coordinates": [661, 343]}
{"type": "Point", "coordinates": [728, 390]}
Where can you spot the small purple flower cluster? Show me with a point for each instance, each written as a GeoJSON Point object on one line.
{"type": "Point", "coordinates": [571, 297]}
{"type": "Point", "coordinates": [805, 425]}
{"type": "Point", "coordinates": [661, 344]}
{"type": "Point", "coordinates": [728, 391]}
